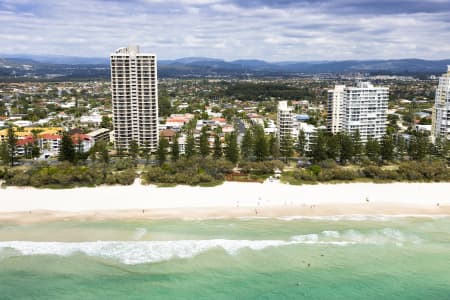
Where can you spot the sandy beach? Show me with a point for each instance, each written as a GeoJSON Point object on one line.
{"type": "Point", "coordinates": [270, 199]}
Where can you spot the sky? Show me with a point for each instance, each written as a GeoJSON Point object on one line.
{"type": "Point", "coordinates": [283, 30]}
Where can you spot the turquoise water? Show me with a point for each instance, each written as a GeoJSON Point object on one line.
{"type": "Point", "coordinates": [334, 258]}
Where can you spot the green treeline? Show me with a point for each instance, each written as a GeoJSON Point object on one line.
{"type": "Point", "coordinates": [338, 157]}
{"type": "Point", "coordinates": [67, 175]}
{"type": "Point", "coordinates": [429, 171]}
{"type": "Point", "coordinates": [265, 91]}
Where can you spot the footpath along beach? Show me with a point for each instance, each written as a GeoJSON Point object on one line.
{"type": "Point", "coordinates": [270, 199]}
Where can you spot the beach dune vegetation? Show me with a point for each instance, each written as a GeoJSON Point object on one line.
{"type": "Point", "coordinates": [411, 171]}
{"type": "Point", "coordinates": [66, 175]}
{"type": "Point", "coordinates": [192, 171]}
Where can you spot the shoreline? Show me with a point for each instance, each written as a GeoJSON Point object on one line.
{"type": "Point", "coordinates": [229, 200]}
{"type": "Point", "coordinates": [343, 212]}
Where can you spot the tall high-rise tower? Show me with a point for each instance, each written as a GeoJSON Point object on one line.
{"type": "Point", "coordinates": [285, 121]}
{"type": "Point", "coordinates": [441, 111]}
{"type": "Point", "coordinates": [362, 108]}
{"type": "Point", "coordinates": [335, 109]}
{"type": "Point", "coordinates": [134, 87]}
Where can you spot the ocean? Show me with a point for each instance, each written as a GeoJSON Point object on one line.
{"type": "Point", "coordinates": [254, 258]}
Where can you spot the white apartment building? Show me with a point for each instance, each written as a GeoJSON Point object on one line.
{"type": "Point", "coordinates": [134, 87]}
{"type": "Point", "coordinates": [335, 108]}
{"type": "Point", "coordinates": [310, 132]}
{"type": "Point", "coordinates": [285, 120]}
{"type": "Point", "coordinates": [441, 110]}
{"type": "Point", "coordinates": [362, 108]}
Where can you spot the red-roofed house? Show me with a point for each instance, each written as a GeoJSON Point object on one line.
{"type": "Point", "coordinates": [227, 129]}
{"type": "Point", "coordinates": [82, 142]}
{"type": "Point", "coordinates": [219, 121]}
{"type": "Point", "coordinates": [23, 145]}
{"type": "Point", "coordinates": [168, 134]}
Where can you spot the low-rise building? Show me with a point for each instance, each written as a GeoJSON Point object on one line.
{"type": "Point", "coordinates": [101, 134]}
{"type": "Point", "coordinates": [310, 132]}
{"type": "Point", "coordinates": [82, 142]}
{"type": "Point", "coordinates": [94, 119]}
{"type": "Point", "coordinates": [168, 134]}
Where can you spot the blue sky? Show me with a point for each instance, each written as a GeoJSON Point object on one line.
{"type": "Point", "coordinates": [272, 30]}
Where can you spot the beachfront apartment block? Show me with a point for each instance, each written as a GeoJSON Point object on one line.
{"type": "Point", "coordinates": [290, 125]}
{"type": "Point", "coordinates": [285, 120]}
{"type": "Point", "coordinates": [441, 109]}
{"type": "Point", "coordinates": [134, 87]}
{"type": "Point", "coordinates": [362, 108]}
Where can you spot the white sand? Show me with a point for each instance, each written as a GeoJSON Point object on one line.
{"type": "Point", "coordinates": [231, 199]}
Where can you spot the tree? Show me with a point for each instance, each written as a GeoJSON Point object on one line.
{"type": "Point", "coordinates": [119, 151]}
{"type": "Point", "coordinates": [441, 148]}
{"type": "Point", "coordinates": [274, 146]}
{"type": "Point", "coordinates": [400, 147]}
{"type": "Point", "coordinates": [133, 150]}
{"type": "Point", "coordinates": [301, 144]}
{"type": "Point", "coordinates": [286, 147]}
{"type": "Point", "coordinates": [162, 150]}
{"type": "Point", "coordinates": [99, 152]}
{"type": "Point", "coordinates": [175, 149]}
{"type": "Point", "coordinates": [164, 105]}
{"type": "Point", "coordinates": [373, 149]}
{"type": "Point", "coordinates": [392, 127]}
{"type": "Point", "coordinates": [260, 146]}
{"type": "Point", "coordinates": [332, 146]}
{"type": "Point", "coordinates": [35, 150]}
{"type": "Point", "coordinates": [419, 146]}
{"type": "Point", "coordinates": [190, 150]}
{"type": "Point", "coordinates": [106, 122]}
{"type": "Point", "coordinates": [318, 148]}
{"type": "Point", "coordinates": [204, 144]}
{"type": "Point", "coordinates": [79, 151]}
{"type": "Point", "coordinates": [103, 151]}
{"type": "Point", "coordinates": [4, 156]}
{"type": "Point", "coordinates": [27, 150]}
{"type": "Point", "coordinates": [67, 149]}
{"type": "Point", "coordinates": [387, 148]}
{"type": "Point", "coordinates": [347, 148]}
{"type": "Point", "coordinates": [247, 145]}
{"type": "Point", "coordinates": [231, 149]}
{"type": "Point", "coordinates": [146, 152]}
{"type": "Point", "coordinates": [11, 142]}
{"type": "Point", "coordinates": [217, 147]}
{"type": "Point", "coordinates": [357, 145]}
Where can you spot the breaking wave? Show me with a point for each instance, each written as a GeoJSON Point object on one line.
{"type": "Point", "coordinates": [139, 252]}
{"type": "Point", "coordinates": [362, 217]}
{"type": "Point", "coordinates": [351, 237]}
{"type": "Point", "coordinates": [139, 233]}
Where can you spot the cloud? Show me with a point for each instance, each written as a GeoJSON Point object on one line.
{"type": "Point", "coordinates": [231, 29]}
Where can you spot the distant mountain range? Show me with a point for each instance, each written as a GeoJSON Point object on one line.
{"type": "Point", "coordinates": [73, 68]}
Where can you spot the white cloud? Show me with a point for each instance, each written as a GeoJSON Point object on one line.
{"type": "Point", "coordinates": [218, 28]}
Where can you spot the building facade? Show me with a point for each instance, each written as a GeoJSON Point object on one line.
{"type": "Point", "coordinates": [441, 110]}
{"type": "Point", "coordinates": [362, 108]}
{"type": "Point", "coordinates": [285, 120]}
{"type": "Point", "coordinates": [335, 109]}
{"type": "Point", "coordinates": [134, 88]}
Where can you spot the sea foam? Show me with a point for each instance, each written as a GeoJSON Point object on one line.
{"type": "Point", "coordinates": [139, 252]}
{"type": "Point", "coordinates": [385, 218]}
